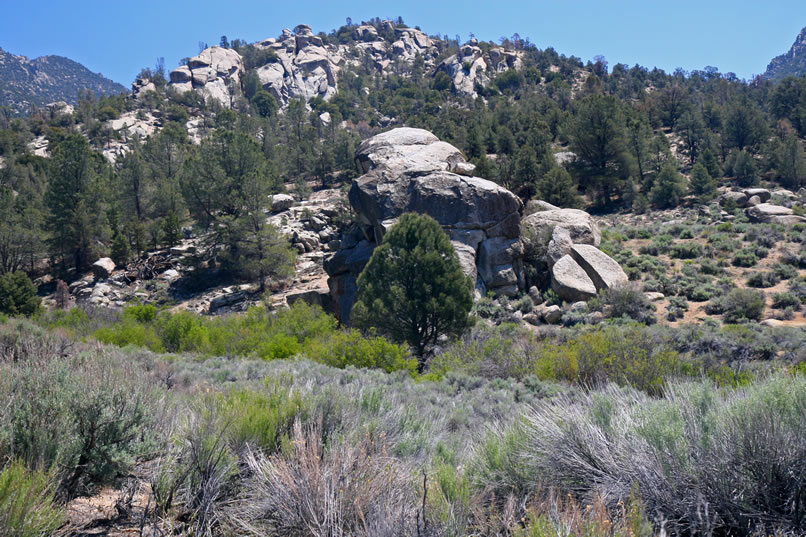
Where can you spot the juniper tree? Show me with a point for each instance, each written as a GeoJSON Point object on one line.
{"type": "Point", "coordinates": [413, 288]}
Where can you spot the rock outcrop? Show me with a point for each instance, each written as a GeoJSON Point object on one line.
{"type": "Point", "coordinates": [538, 229]}
{"type": "Point", "coordinates": [773, 214]}
{"type": "Point", "coordinates": [216, 72]}
{"type": "Point", "coordinates": [561, 245]}
{"type": "Point", "coordinates": [299, 64]}
{"type": "Point", "coordinates": [471, 66]}
{"type": "Point", "coordinates": [411, 170]}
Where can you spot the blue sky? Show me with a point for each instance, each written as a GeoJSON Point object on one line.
{"type": "Point", "coordinates": [118, 38]}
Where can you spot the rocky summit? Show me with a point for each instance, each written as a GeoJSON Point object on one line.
{"type": "Point", "coordinates": [299, 64]}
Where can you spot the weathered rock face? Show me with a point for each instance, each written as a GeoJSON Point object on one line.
{"type": "Point", "coordinates": [776, 214]}
{"type": "Point", "coordinates": [216, 72]}
{"type": "Point", "coordinates": [570, 281]}
{"type": "Point", "coordinates": [411, 170]}
{"type": "Point", "coordinates": [600, 267]}
{"type": "Point", "coordinates": [103, 268]}
{"type": "Point", "coordinates": [471, 66]}
{"type": "Point", "coordinates": [538, 228]}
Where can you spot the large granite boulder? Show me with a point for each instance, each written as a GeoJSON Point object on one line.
{"type": "Point", "coordinates": [538, 228]}
{"type": "Point", "coordinates": [411, 170]}
{"type": "Point", "coordinates": [216, 72]}
{"type": "Point", "coordinates": [570, 281]}
{"type": "Point", "coordinates": [103, 268]}
{"type": "Point", "coordinates": [769, 213]}
{"type": "Point", "coordinates": [600, 267]}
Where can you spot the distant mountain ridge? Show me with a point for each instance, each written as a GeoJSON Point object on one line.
{"type": "Point", "coordinates": [25, 82]}
{"type": "Point", "coordinates": [793, 63]}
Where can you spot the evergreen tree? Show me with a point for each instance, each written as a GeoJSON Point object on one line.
{"type": "Point", "coordinates": [18, 294]}
{"type": "Point", "coordinates": [709, 160]}
{"type": "Point", "coordinates": [596, 135]}
{"type": "Point", "coordinates": [558, 188]}
{"type": "Point", "coordinates": [669, 189]}
{"type": "Point", "coordinates": [74, 198]}
{"type": "Point", "coordinates": [413, 288]}
{"type": "Point", "coordinates": [702, 184]}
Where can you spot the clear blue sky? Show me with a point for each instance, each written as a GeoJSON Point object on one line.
{"type": "Point", "coordinates": [118, 38]}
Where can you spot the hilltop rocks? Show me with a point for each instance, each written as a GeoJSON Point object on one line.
{"type": "Point", "coordinates": [216, 72]}
{"type": "Point", "coordinates": [304, 66]}
{"type": "Point", "coordinates": [471, 66]}
{"type": "Point", "coordinates": [411, 170]}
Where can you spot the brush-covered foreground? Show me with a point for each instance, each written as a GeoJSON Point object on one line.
{"type": "Point", "coordinates": [507, 434]}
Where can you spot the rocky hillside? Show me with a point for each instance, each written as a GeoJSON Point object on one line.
{"type": "Point", "coordinates": [301, 65]}
{"type": "Point", "coordinates": [47, 79]}
{"type": "Point", "coordinates": [793, 63]}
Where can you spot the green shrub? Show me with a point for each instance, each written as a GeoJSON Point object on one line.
{"type": "Point", "coordinates": [624, 302]}
{"type": "Point", "coordinates": [763, 279]}
{"type": "Point", "coordinates": [27, 508]}
{"type": "Point", "coordinates": [351, 348]}
{"type": "Point", "coordinates": [263, 418]}
{"type": "Point", "coordinates": [785, 300]}
{"type": "Point", "coordinates": [686, 250]}
{"type": "Point", "coordinates": [744, 258]}
{"type": "Point", "coordinates": [625, 356]}
{"type": "Point", "coordinates": [785, 271]}
{"type": "Point", "coordinates": [88, 416]}
{"type": "Point", "coordinates": [18, 294]}
{"type": "Point", "coordinates": [738, 305]}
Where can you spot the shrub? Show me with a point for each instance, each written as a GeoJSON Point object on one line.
{"type": "Point", "coordinates": [785, 300]}
{"type": "Point", "coordinates": [763, 279]}
{"type": "Point", "coordinates": [18, 294]}
{"type": "Point", "coordinates": [738, 305]}
{"type": "Point", "coordinates": [89, 416]}
{"type": "Point", "coordinates": [624, 356]}
{"type": "Point", "coordinates": [686, 250]}
{"type": "Point", "coordinates": [785, 271]}
{"type": "Point", "coordinates": [351, 348]}
{"type": "Point", "coordinates": [606, 442]}
{"type": "Point", "coordinates": [744, 258]}
{"type": "Point", "coordinates": [626, 301]}
{"type": "Point", "coordinates": [26, 502]}
{"type": "Point", "coordinates": [344, 490]}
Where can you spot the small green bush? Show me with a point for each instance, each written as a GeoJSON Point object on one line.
{"type": "Point", "coordinates": [352, 348]}
{"type": "Point", "coordinates": [686, 250]}
{"type": "Point", "coordinates": [27, 507]}
{"type": "Point", "coordinates": [738, 305]}
{"type": "Point", "coordinates": [763, 279]}
{"type": "Point", "coordinates": [744, 258]}
{"type": "Point", "coordinates": [624, 302]}
{"type": "Point", "coordinates": [785, 300]}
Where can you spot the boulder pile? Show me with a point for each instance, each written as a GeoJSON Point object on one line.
{"type": "Point", "coordinates": [562, 244]}
{"type": "Point", "coordinates": [411, 170]}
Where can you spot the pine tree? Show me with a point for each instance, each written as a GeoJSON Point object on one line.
{"type": "Point", "coordinates": [74, 199]}
{"type": "Point", "coordinates": [702, 184]}
{"type": "Point", "coordinates": [413, 288]}
{"type": "Point", "coordinates": [558, 188]}
{"type": "Point", "coordinates": [669, 187]}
